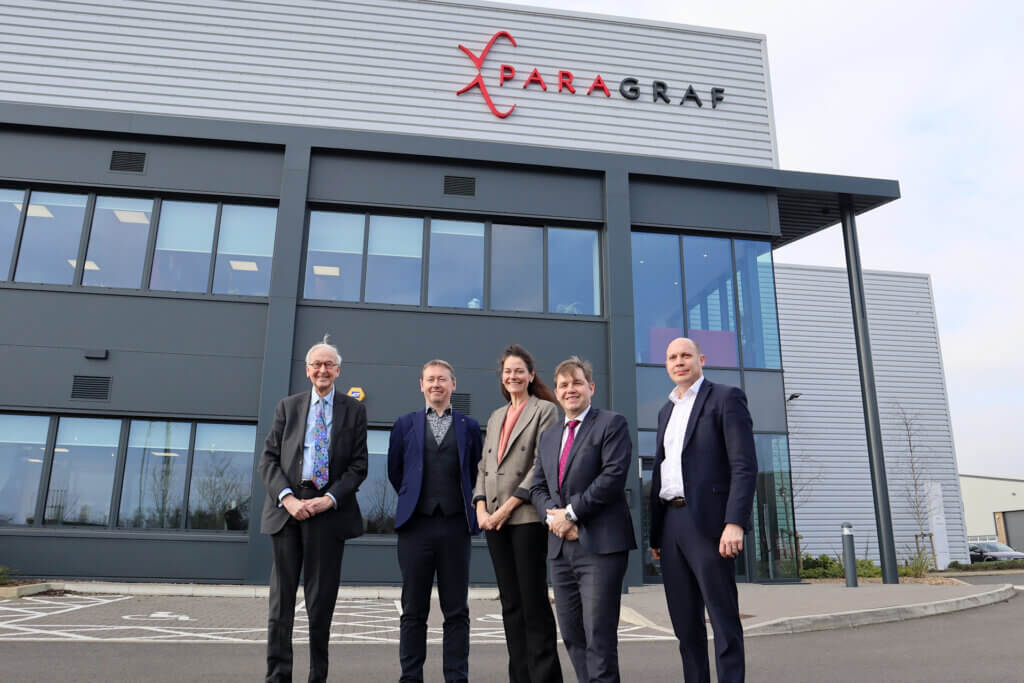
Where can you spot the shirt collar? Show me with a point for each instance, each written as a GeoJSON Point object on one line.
{"type": "Point", "coordinates": [446, 411]}
{"type": "Point", "coordinates": [328, 399]}
{"type": "Point", "coordinates": [579, 418]}
{"type": "Point", "coordinates": [694, 388]}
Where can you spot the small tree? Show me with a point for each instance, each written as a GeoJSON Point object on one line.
{"type": "Point", "coordinates": [915, 482]}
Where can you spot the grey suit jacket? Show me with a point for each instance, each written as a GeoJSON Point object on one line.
{"type": "Point", "coordinates": [280, 465]}
{"type": "Point", "coordinates": [497, 482]}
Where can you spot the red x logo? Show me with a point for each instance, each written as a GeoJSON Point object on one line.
{"type": "Point", "coordinates": [479, 80]}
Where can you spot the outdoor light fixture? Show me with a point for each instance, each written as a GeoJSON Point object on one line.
{"type": "Point", "coordinates": [793, 397]}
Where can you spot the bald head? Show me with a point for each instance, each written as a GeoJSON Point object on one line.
{"type": "Point", "coordinates": [684, 362]}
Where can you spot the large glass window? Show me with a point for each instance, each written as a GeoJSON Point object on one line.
{"type": "Point", "coordinates": [574, 272]}
{"type": "Point", "coordinates": [377, 499]}
{"type": "Point", "coordinates": [245, 249]}
{"type": "Point", "coordinates": [117, 242]}
{"type": "Point", "coordinates": [456, 274]}
{"type": "Point", "coordinates": [153, 492]}
{"type": "Point", "coordinates": [10, 216]}
{"type": "Point", "coordinates": [84, 460]}
{"type": "Point", "coordinates": [710, 307]}
{"type": "Point", "coordinates": [53, 231]}
{"type": "Point", "coordinates": [517, 268]}
{"type": "Point", "coordinates": [334, 259]}
{"type": "Point", "coordinates": [184, 241]}
{"type": "Point", "coordinates": [759, 324]}
{"type": "Point", "coordinates": [221, 477]}
{"type": "Point", "coordinates": [657, 294]}
{"type": "Point", "coordinates": [22, 447]}
{"type": "Point", "coordinates": [774, 526]}
{"type": "Point", "coordinates": [394, 260]}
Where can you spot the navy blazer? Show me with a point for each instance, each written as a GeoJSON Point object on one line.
{"type": "Point", "coordinates": [594, 482]}
{"type": "Point", "coordinates": [719, 462]}
{"type": "Point", "coordinates": [405, 462]}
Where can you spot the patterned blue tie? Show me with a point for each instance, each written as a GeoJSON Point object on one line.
{"type": "Point", "coordinates": [320, 442]}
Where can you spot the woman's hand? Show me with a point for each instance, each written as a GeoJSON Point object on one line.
{"type": "Point", "coordinates": [483, 520]}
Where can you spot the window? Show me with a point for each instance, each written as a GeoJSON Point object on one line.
{"type": "Point", "coordinates": [244, 250]}
{"type": "Point", "coordinates": [153, 489]}
{"type": "Point", "coordinates": [657, 294]}
{"type": "Point", "coordinates": [759, 324]}
{"type": "Point", "coordinates": [84, 459]}
{"type": "Point", "coordinates": [222, 477]}
{"type": "Point", "coordinates": [49, 243]}
{"type": "Point", "coordinates": [710, 312]}
{"type": "Point", "coordinates": [394, 260]}
{"type": "Point", "coordinates": [377, 499]}
{"type": "Point", "coordinates": [774, 525]}
{"type": "Point", "coordinates": [117, 242]}
{"type": "Point", "coordinates": [517, 268]}
{"type": "Point", "coordinates": [184, 242]}
{"type": "Point", "coordinates": [10, 215]}
{"type": "Point", "coordinates": [334, 258]}
{"type": "Point", "coordinates": [456, 274]}
{"type": "Point", "coordinates": [22, 447]}
{"type": "Point", "coordinates": [574, 273]}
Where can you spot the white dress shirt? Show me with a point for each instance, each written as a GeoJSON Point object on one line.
{"type": "Point", "coordinates": [569, 514]}
{"type": "Point", "coordinates": [675, 432]}
{"type": "Point", "coordinates": [310, 440]}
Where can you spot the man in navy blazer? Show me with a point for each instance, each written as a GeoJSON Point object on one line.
{"type": "Point", "coordinates": [702, 490]}
{"type": "Point", "coordinates": [579, 486]}
{"type": "Point", "coordinates": [432, 464]}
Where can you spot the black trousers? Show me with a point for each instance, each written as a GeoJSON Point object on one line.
{"type": "Point", "coordinates": [429, 546]}
{"type": "Point", "coordinates": [696, 575]}
{"type": "Point", "coordinates": [312, 548]}
{"type": "Point", "coordinates": [518, 553]}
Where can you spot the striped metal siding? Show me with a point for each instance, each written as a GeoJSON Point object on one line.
{"type": "Point", "coordinates": [828, 447]}
{"type": "Point", "coordinates": [394, 66]}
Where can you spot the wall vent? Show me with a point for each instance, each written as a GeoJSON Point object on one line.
{"type": "Point", "coordinates": [127, 162]}
{"type": "Point", "coordinates": [462, 403]}
{"type": "Point", "coordinates": [462, 186]}
{"type": "Point", "coordinates": [91, 388]}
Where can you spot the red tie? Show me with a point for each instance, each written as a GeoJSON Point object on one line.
{"type": "Point", "coordinates": [565, 451]}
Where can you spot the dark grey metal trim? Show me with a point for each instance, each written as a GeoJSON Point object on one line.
{"type": "Point", "coordinates": [425, 262]}
{"type": "Point", "coordinates": [736, 304]}
{"type": "Point", "coordinates": [150, 256]}
{"type": "Point", "coordinates": [83, 240]}
{"type": "Point", "coordinates": [44, 472]}
{"type": "Point", "coordinates": [186, 516]}
{"type": "Point", "coordinates": [18, 233]}
{"type": "Point", "coordinates": [118, 484]}
{"type": "Point", "coordinates": [213, 249]}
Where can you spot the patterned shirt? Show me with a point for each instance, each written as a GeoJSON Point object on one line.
{"type": "Point", "coordinates": [439, 423]}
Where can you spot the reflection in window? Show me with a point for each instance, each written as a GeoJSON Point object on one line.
{"type": "Point", "coordinates": [221, 477]}
{"type": "Point", "coordinates": [153, 492]}
{"type": "Point", "coordinates": [22, 446]}
{"type": "Point", "coordinates": [657, 294]}
{"type": "Point", "coordinates": [10, 215]}
{"type": "Point", "coordinates": [710, 312]}
{"type": "Point", "coordinates": [334, 259]}
{"type": "Point", "coordinates": [117, 242]}
{"type": "Point", "coordinates": [184, 241]}
{"type": "Point", "coordinates": [517, 268]}
{"type": "Point", "coordinates": [245, 248]}
{"type": "Point", "coordinates": [755, 282]}
{"type": "Point", "coordinates": [394, 260]}
{"type": "Point", "coordinates": [652, 388]}
{"type": "Point", "coordinates": [456, 274]}
{"type": "Point", "coordinates": [53, 230]}
{"type": "Point", "coordinates": [574, 272]}
{"type": "Point", "coordinates": [83, 471]}
{"type": "Point", "coordinates": [377, 500]}
{"type": "Point", "coordinates": [774, 526]}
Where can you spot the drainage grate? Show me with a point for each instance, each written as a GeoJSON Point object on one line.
{"type": "Point", "coordinates": [91, 388]}
{"type": "Point", "coordinates": [128, 162]}
{"type": "Point", "coordinates": [463, 186]}
{"type": "Point", "coordinates": [462, 403]}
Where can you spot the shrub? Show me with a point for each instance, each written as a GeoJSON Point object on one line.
{"type": "Point", "coordinates": [989, 566]}
{"type": "Point", "coordinates": [918, 563]}
{"type": "Point", "coordinates": [5, 576]}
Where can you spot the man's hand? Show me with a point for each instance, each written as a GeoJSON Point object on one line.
{"type": "Point", "coordinates": [295, 507]}
{"type": "Point", "coordinates": [559, 524]}
{"type": "Point", "coordinates": [732, 541]}
{"type": "Point", "coordinates": [656, 554]}
{"type": "Point", "coordinates": [573, 534]}
{"type": "Point", "coordinates": [319, 504]}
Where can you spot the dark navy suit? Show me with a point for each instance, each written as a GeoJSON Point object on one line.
{"type": "Point", "coordinates": [434, 521]}
{"type": "Point", "coordinates": [719, 479]}
{"type": "Point", "coordinates": [587, 574]}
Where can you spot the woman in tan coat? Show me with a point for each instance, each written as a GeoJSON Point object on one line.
{"type": "Point", "coordinates": [516, 537]}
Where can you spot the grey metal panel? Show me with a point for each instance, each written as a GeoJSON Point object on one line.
{"type": "Point", "coordinates": [183, 166]}
{"type": "Point", "coordinates": [766, 400]}
{"type": "Point", "coordinates": [662, 202]}
{"type": "Point", "coordinates": [827, 441]}
{"type": "Point", "coordinates": [419, 183]}
{"type": "Point", "coordinates": [1014, 523]}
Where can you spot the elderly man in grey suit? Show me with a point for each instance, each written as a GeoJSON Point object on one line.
{"type": "Point", "coordinates": [580, 487]}
{"type": "Point", "coordinates": [313, 462]}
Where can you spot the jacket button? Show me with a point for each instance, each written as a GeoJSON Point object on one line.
{"type": "Point", "coordinates": [494, 500]}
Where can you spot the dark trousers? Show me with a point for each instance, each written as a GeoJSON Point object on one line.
{"type": "Point", "coordinates": [312, 548]}
{"type": "Point", "coordinates": [588, 594]}
{"type": "Point", "coordinates": [695, 576]}
{"type": "Point", "coordinates": [428, 546]}
{"type": "Point", "coordinates": [518, 552]}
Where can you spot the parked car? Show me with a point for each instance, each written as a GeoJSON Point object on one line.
{"type": "Point", "coordinates": [991, 551]}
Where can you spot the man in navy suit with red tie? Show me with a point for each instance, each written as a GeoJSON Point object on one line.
{"type": "Point", "coordinates": [702, 490]}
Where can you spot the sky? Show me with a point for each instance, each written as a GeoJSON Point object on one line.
{"type": "Point", "coordinates": [929, 94]}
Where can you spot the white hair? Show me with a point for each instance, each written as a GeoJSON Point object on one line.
{"type": "Point", "coordinates": [323, 344]}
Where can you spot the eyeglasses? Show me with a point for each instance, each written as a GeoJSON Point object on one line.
{"type": "Point", "coordinates": [325, 364]}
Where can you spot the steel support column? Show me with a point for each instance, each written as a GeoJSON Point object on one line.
{"type": "Point", "coordinates": [876, 457]}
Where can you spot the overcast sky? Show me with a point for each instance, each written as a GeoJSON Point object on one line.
{"type": "Point", "coordinates": [929, 94]}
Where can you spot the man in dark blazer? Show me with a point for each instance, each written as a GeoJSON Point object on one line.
{"type": "Point", "coordinates": [312, 465]}
{"type": "Point", "coordinates": [432, 464]}
{"type": "Point", "coordinates": [702, 490]}
{"type": "Point", "coordinates": [579, 486]}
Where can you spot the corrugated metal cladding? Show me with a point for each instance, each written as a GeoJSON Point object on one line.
{"type": "Point", "coordinates": [829, 459]}
{"type": "Point", "coordinates": [395, 66]}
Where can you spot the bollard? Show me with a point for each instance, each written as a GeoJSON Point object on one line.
{"type": "Point", "coordinates": [849, 556]}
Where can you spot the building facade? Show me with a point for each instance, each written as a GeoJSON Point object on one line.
{"type": "Point", "coordinates": [193, 194]}
{"type": "Point", "coordinates": [994, 509]}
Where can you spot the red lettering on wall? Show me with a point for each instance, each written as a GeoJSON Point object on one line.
{"type": "Point", "coordinates": [600, 85]}
{"type": "Point", "coordinates": [535, 77]}
{"type": "Point", "coordinates": [565, 79]}
{"type": "Point", "coordinates": [507, 73]}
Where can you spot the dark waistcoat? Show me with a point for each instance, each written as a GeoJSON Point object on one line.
{"type": "Point", "coordinates": [441, 481]}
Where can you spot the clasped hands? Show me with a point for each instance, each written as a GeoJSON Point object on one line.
{"type": "Point", "coordinates": [560, 526]}
{"type": "Point", "coordinates": [304, 509]}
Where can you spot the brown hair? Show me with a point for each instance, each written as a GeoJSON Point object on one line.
{"type": "Point", "coordinates": [534, 388]}
{"type": "Point", "coordinates": [571, 364]}
{"type": "Point", "coordinates": [439, 363]}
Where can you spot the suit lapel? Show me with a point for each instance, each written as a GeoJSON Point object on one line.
{"type": "Point", "coordinates": [524, 419]}
{"type": "Point", "coordinates": [581, 431]}
{"type": "Point", "coordinates": [459, 425]}
{"type": "Point", "coordinates": [337, 419]}
{"type": "Point", "coordinates": [419, 432]}
{"type": "Point", "coordinates": [698, 406]}
{"type": "Point", "coordinates": [295, 466]}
